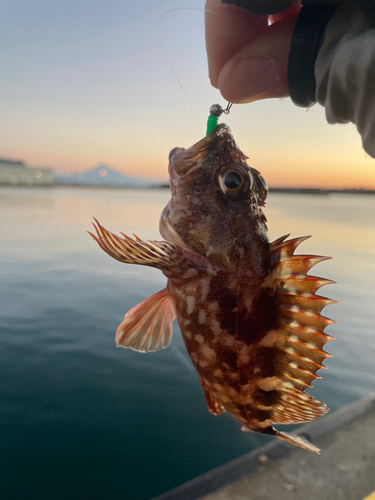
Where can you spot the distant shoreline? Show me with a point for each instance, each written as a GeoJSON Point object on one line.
{"type": "Point", "coordinates": [282, 190]}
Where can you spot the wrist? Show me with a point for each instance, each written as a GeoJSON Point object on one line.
{"type": "Point", "coordinates": [306, 42]}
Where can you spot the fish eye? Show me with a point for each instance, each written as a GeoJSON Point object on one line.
{"type": "Point", "coordinates": [263, 187]}
{"type": "Point", "coordinates": [235, 181]}
{"type": "Point", "coordinates": [232, 180]}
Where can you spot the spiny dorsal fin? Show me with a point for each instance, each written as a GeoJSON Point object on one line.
{"type": "Point", "coordinates": [148, 326]}
{"type": "Point", "coordinates": [299, 333]}
{"type": "Point", "coordinates": [281, 248]}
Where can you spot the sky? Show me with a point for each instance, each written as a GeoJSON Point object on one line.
{"type": "Point", "coordinates": [88, 82]}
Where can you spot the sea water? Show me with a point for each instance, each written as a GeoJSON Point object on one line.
{"type": "Point", "coordinates": [80, 419]}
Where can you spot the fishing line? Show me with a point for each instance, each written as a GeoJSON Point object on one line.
{"type": "Point", "coordinates": [183, 360]}
{"type": "Point", "coordinates": [169, 63]}
{"type": "Point", "coordinates": [252, 437]}
{"type": "Point", "coordinates": [176, 351]}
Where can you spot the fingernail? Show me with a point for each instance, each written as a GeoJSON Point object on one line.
{"type": "Point", "coordinates": [246, 78]}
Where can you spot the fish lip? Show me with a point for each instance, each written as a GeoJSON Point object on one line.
{"type": "Point", "coordinates": [188, 160]}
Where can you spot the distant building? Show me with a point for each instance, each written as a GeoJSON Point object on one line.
{"type": "Point", "coordinates": [16, 173]}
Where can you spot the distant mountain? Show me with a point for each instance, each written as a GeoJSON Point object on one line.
{"type": "Point", "coordinates": [102, 175]}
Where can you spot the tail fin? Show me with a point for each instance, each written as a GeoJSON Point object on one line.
{"type": "Point", "coordinates": [296, 441]}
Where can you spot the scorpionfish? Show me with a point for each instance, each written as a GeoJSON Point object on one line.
{"type": "Point", "coordinates": [247, 309]}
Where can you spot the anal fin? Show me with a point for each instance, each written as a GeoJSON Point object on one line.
{"type": "Point", "coordinates": [215, 406]}
{"type": "Point", "coordinates": [148, 326]}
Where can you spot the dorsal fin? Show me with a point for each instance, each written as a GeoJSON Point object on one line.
{"type": "Point", "coordinates": [299, 333]}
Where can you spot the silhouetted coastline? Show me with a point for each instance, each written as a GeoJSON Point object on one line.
{"type": "Point", "coordinates": [281, 190]}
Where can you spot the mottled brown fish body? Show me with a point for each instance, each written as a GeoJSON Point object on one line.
{"type": "Point", "coordinates": [223, 325]}
{"type": "Point", "coordinates": [248, 311]}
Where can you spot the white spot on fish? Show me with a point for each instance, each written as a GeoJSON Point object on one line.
{"type": "Point", "coordinates": [269, 340]}
{"type": "Point", "coordinates": [194, 357]}
{"type": "Point", "coordinates": [218, 373]}
{"type": "Point", "coordinates": [208, 353]}
{"type": "Point", "coordinates": [288, 385]}
{"type": "Point", "coordinates": [202, 363]}
{"type": "Point", "coordinates": [264, 407]}
{"type": "Point", "coordinates": [263, 424]}
{"type": "Point", "coordinates": [210, 250]}
{"type": "Point", "coordinates": [199, 339]}
{"type": "Point", "coordinates": [202, 317]}
{"type": "Point", "coordinates": [248, 303]}
{"type": "Point", "coordinates": [304, 397]}
{"type": "Point", "coordinates": [187, 322]}
{"type": "Point", "coordinates": [213, 306]}
{"type": "Point", "coordinates": [269, 383]}
{"type": "Point", "coordinates": [232, 392]}
{"type": "Point", "coordinates": [215, 326]}
{"type": "Point", "coordinates": [228, 341]}
{"type": "Point", "coordinates": [205, 287]}
{"type": "Point", "coordinates": [190, 305]}
{"type": "Point", "coordinates": [243, 356]}
{"type": "Point", "coordinates": [188, 335]}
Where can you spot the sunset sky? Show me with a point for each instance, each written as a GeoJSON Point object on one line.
{"type": "Point", "coordinates": [85, 82]}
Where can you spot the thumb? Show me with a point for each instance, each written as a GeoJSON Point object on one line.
{"type": "Point", "coordinates": [258, 70]}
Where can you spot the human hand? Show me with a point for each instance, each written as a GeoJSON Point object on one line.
{"type": "Point", "coordinates": [247, 57]}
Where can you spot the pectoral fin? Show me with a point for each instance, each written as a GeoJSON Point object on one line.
{"type": "Point", "coordinates": [148, 326]}
{"type": "Point", "coordinates": [159, 254]}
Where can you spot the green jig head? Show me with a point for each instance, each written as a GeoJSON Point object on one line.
{"type": "Point", "coordinates": [215, 112]}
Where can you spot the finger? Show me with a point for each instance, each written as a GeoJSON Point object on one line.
{"type": "Point", "coordinates": [227, 29]}
{"type": "Point", "coordinates": [258, 70]}
{"type": "Point", "coordinates": [293, 9]}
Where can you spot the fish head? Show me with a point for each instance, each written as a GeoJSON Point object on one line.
{"type": "Point", "coordinates": [216, 199]}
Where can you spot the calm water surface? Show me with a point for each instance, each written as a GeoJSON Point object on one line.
{"type": "Point", "coordinates": [80, 419]}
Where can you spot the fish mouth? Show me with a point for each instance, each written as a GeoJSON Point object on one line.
{"type": "Point", "coordinates": [183, 161]}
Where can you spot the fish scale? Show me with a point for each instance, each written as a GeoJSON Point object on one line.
{"type": "Point", "coordinates": [247, 309]}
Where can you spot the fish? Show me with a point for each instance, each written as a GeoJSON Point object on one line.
{"type": "Point", "coordinates": [247, 308]}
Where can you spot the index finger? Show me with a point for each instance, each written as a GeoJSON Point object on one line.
{"type": "Point", "coordinates": [227, 29]}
